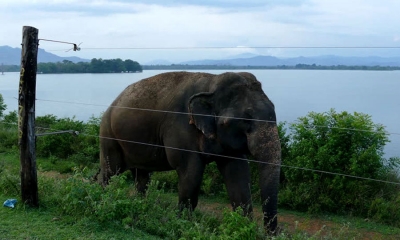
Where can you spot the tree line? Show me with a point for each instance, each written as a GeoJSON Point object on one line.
{"type": "Point", "coordinates": [118, 65]}
{"type": "Point", "coordinates": [94, 66]}
{"type": "Point", "coordinates": [281, 67]}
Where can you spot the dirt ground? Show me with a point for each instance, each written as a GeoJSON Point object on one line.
{"type": "Point", "coordinates": [318, 228]}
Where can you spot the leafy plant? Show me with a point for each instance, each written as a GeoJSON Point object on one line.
{"type": "Point", "coordinates": [342, 143]}
{"type": "Point", "coordinates": [9, 132]}
{"type": "Point", "coordinates": [3, 106]}
{"type": "Point", "coordinates": [80, 146]}
{"type": "Point", "coordinates": [235, 226]}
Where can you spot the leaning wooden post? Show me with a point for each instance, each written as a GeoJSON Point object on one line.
{"type": "Point", "coordinates": [26, 111]}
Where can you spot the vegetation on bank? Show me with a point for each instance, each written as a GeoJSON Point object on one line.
{"type": "Point", "coordinates": [336, 142]}
{"type": "Point", "coordinates": [279, 67]}
{"type": "Point", "coordinates": [82, 67]}
{"type": "Point", "coordinates": [94, 66]}
{"type": "Point", "coordinates": [10, 68]}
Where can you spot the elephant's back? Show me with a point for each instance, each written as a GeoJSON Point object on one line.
{"type": "Point", "coordinates": [154, 92]}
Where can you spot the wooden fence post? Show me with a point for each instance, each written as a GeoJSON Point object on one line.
{"type": "Point", "coordinates": [26, 112]}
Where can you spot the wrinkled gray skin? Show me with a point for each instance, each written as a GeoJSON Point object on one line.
{"type": "Point", "coordinates": [222, 96]}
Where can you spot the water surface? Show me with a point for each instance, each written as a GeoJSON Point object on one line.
{"type": "Point", "coordinates": [294, 93]}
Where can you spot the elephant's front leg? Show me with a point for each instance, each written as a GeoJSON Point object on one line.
{"type": "Point", "coordinates": [236, 176]}
{"type": "Point", "coordinates": [190, 173]}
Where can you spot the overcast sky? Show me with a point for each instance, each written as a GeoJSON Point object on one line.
{"type": "Point", "coordinates": [207, 23]}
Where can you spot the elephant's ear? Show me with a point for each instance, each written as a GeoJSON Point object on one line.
{"type": "Point", "coordinates": [201, 113]}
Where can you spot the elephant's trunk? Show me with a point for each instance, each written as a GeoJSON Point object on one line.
{"type": "Point", "coordinates": [265, 146]}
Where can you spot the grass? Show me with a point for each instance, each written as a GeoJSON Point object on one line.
{"type": "Point", "coordinates": [27, 223]}
{"type": "Point", "coordinates": [109, 214]}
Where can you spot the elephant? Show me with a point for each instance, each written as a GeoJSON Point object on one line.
{"type": "Point", "coordinates": [184, 120]}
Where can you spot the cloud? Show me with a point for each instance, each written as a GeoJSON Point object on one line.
{"type": "Point", "coordinates": [123, 24]}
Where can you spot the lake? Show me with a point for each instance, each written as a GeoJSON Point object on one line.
{"type": "Point", "coordinates": [294, 93]}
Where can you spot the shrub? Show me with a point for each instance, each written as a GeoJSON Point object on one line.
{"type": "Point", "coordinates": [9, 181]}
{"type": "Point", "coordinates": [82, 148]}
{"type": "Point", "coordinates": [3, 106]}
{"type": "Point", "coordinates": [213, 183]}
{"type": "Point", "coordinates": [168, 180]}
{"type": "Point", "coordinates": [59, 145]}
{"type": "Point", "coordinates": [341, 143]}
{"type": "Point", "coordinates": [11, 118]}
{"type": "Point", "coordinates": [235, 226]}
{"type": "Point", "coordinates": [9, 132]}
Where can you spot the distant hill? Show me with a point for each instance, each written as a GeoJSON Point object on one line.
{"type": "Point", "coordinates": [328, 60]}
{"type": "Point", "coordinates": [12, 56]}
{"type": "Point", "coordinates": [159, 62]}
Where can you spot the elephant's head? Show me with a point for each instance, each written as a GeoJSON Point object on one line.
{"type": "Point", "coordinates": [244, 123]}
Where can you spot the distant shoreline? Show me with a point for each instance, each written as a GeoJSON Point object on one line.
{"type": "Point", "coordinates": [282, 67]}
{"type": "Point", "coordinates": [180, 67]}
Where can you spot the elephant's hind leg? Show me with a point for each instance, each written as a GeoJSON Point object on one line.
{"type": "Point", "coordinates": [142, 179]}
{"type": "Point", "coordinates": [111, 160]}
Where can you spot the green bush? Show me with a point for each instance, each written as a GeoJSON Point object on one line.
{"type": "Point", "coordinates": [168, 180]}
{"type": "Point", "coordinates": [59, 145]}
{"type": "Point", "coordinates": [81, 148]}
{"type": "Point", "coordinates": [213, 183]}
{"type": "Point", "coordinates": [9, 181]}
{"type": "Point", "coordinates": [3, 107]}
{"type": "Point", "coordinates": [341, 143]}
{"type": "Point", "coordinates": [9, 132]}
{"type": "Point", "coordinates": [235, 226]}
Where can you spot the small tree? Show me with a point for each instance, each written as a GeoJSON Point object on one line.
{"type": "Point", "coordinates": [3, 106]}
{"type": "Point", "coordinates": [334, 142]}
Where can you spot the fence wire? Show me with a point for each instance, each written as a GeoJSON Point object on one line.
{"type": "Point", "coordinates": [208, 115]}
{"type": "Point", "coordinates": [231, 47]}
{"type": "Point", "coordinates": [215, 116]}
{"type": "Point", "coordinates": [55, 131]}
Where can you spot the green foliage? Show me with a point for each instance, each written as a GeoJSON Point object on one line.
{"type": "Point", "coordinates": [341, 143]}
{"type": "Point", "coordinates": [235, 226]}
{"type": "Point", "coordinates": [94, 66]}
{"type": "Point", "coordinates": [10, 68]}
{"type": "Point", "coordinates": [9, 181]}
{"type": "Point", "coordinates": [11, 118]}
{"type": "Point", "coordinates": [63, 151]}
{"type": "Point", "coordinates": [9, 132]}
{"type": "Point", "coordinates": [298, 66]}
{"type": "Point", "coordinates": [72, 203]}
{"type": "Point", "coordinates": [213, 183]}
{"type": "Point", "coordinates": [154, 213]}
{"type": "Point", "coordinates": [81, 148]}
{"type": "Point", "coordinates": [3, 107]}
{"type": "Point", "coordinates": [168, 180]}
{"type": "Point", "coordinates": [59, 145]}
